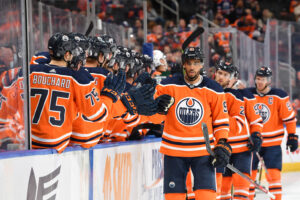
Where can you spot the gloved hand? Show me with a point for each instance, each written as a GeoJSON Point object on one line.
{"type": "Point", "coordinates": [222, 154]}
{"type": "Point", "coordinates": [164, 102]}
{"type": "Point", "coordinates": [292, 142]}
{"type": "Point", "coordinates": [140, 100]}
{"type": "Point", "coordinates": [255, 142]}
{"type": "Point", "coordinates": [114, 85]}
{"type": "Point", "coordinates": [145, 78]}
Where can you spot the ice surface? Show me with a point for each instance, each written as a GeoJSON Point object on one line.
{"type": "Point", "coordinates": [290, 187]}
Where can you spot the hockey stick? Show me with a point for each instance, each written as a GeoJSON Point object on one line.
{"type": "Point", "coordinates": [194, 35]}
{"type": "Point", "coordinates": [89, 29]}
{"type": "Point", "coordinates": [261, 160]}
{"type": "Point", "coordinates": [232, 168]}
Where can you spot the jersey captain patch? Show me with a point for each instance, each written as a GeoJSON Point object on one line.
{"type": "Point", "coordinates": [263, 111]}
{"type": "Point", "coordinates": [189, 111]}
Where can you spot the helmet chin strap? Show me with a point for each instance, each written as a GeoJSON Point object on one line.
{"type": "Point", "coordinates": [260, 93]}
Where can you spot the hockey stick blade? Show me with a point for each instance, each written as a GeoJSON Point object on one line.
{"type": "Point", "coordinates": [194, 35]}
{"type": "Point", "coordinates": [89, 29]}
{"type": "Point", "coordinates": [232, 168]}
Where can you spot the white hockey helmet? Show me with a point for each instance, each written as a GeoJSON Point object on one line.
{"type": "Point", "coordinates": [157, 56]}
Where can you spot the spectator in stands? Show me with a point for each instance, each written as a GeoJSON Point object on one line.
{"type": "Point", "coordinates": [152, 14]}
{"type": "Point", "coordinates": [266, 14]}
{"type": "Point", "coordinates": [182, 26]}
{"type": "Point", "coordinates": [225, 7]}
{"type": "Point", "coordinates": [193, 23]}
{"type": "Point", "coordinates": [247, 23]}
{"type": "Point", "coordinates": [220, 20]}
{"type": "Point", "coordinates": [255, 9]}
{"type": "Point", "coordinates": [238, 11]}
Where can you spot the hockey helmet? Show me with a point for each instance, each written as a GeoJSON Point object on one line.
{"type": "Point", "coordinates": [60, 44]}
{"type": "Point", "coordinates": [264, 72]}
{"type": "Point", "coordinates": [226, 66]}
{"type": "Point", "coordinates": [97, 46]}
{"type": "Point", "coordinates": [192, 53]}
{"type": "Point", "coordinates": [111, 42]}
{"type": "Point", "coordinates": [157, 56]}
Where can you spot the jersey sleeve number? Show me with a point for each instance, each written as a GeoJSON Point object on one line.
{"type": "Point", "coordinates": [43, 93]}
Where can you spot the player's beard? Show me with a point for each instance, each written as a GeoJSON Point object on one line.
{"type": "Point", "coordinates": [191, 78]}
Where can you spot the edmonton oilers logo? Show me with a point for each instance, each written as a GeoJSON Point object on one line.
{"type": "Point", "coordinates": [189, 111]}
{"type": "Point", "coordinates": [263, 111]}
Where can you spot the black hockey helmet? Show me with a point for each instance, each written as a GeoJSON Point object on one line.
{"type": "Point", "coordinates": [264, 72]}
{"type": "Point", "coordinates": [111, 42]}
{"type": "Point", "coordinates": [97, 46]}
{"type": "Point", "coordinates": [121, 57]}
{"type": "Point", "coordinates": [60, 44]}
{"type": "Point", "coordinates": [81, 40]}
{"type": "Point", "coordinates": [226, 66]}
{"type": "Point", "coordinates": [78, 58]}
{"type": "Point", "coordinates": [53, 39]}
{"type": "Point", "coordinates": [192, 53]}
{"type": "Point", "coordinates": [146, 60]}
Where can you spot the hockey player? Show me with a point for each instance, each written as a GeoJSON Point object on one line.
{"type": "Point", "coordinates": [274, 107]}
{"type": "Point", "coordinates": [63, 88]}
{"type": "Point", "coordinates": [238, 137]}
{"type": "Point", "coordinates": [112, 45]}
{"type": "Point", "coordinates": [85, 132]}
{"type": "Point", "coordinates": [197, 99]}
{"type": "Point", "coordinates": [160, 64]}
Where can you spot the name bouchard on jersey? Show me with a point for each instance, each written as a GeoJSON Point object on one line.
{"type": "Point", "coordinates": [189, 111]}
{"type": "Point", "coordinates": [53, 81]}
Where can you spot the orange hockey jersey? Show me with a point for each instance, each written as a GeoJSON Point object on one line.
{"type": "Point", "coordinates": [253, 118]}
{"type": "Point", "coordinates": [238, 136]}
{"type": "Point", "coordinates": [11, 107]}
{"type": "Point", "coordinates": [276, 110]}
{"type": "Point", "coordinates": [40, 58]}
{"type": "Point", "coordinates": [85, 132]}
{"type": "Point", "coordinates": [57, 95]}
{"type": "Point", "coordinates": [183, 136]}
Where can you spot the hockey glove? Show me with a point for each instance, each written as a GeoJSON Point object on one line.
{"type": "Point", "coordinates": [164, 102]}
{"type": "Point", "coordinates": [255, 142]}
{"type": "Point", "coordinates": [114, 86]}
{"type": "Point", "coordinates": [292, 142]}
{"type": "Point", "coordinates": [145, 78]}
{"type": "Point", "coordinates": [140, 100]}
{"type": "Point", "coordinates": [222, 154]}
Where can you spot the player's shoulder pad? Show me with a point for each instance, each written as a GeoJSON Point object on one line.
{"type": "Point", "coordinates": [252, 90]}
{"type": "Point", "coordinates": [236, 93]}
{"type": "Point", "coordinates": [247, 93]}
{"type": "Point", "coordinates": [211, 84]}
{"type": "Point", "coordinates": [97, 70]}
{"type": "Point", "coordinates": [175, 80]}
{"type": "Point", "coordinates": [278, 92]}
{"type": "Point", "coordinates": [43, 57]}
{"type": "Point", "coordinates": [82, 76]}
